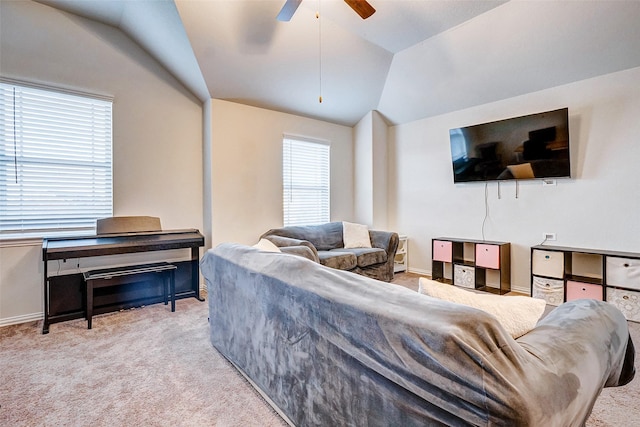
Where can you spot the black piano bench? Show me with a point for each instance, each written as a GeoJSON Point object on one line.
{"type": "Point", "coordinates": [129, 274]}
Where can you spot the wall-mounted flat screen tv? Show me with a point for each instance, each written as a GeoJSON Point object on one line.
{"type": "Point", "coordinates": [527, 147]}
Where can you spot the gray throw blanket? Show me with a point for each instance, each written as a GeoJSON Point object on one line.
{"type": "Point", "coordinates": [331, 348]}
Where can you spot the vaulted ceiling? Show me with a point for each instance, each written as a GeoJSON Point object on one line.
{"type": "Point", "coordinates": [411, 59]}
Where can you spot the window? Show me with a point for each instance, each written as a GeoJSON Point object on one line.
{"type": "Point", "coordinates": [55, 161]}
{"type": "Point", "coordinates": [458, 145]}
{"type": "Point", "coordinates": [305, 176]}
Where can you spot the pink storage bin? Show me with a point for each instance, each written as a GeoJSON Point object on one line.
{"type": "Point", "coordinates": [488, 256]}
{"type": "Point", "coordinates": [442, 251]}
{"type": "Point", "coordinates": [579, 290]}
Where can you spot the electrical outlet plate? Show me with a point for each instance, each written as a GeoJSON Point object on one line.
{"type": "Point", "coordinates": [549, 236]}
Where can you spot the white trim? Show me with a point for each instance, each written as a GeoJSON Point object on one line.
{"type": "Point", "coordinates": [24, 318]}
{"type": "Point", "coordinates": [20, 242]}
{"type": "Point", "coordinates": [305, 138]}
{"type": "Point", "coordinates": [36, 238]}
{"type": "Point", "coordinates": [419, 271]}
{"type": "Point", "coordinates": [306, 182]}
{"type": "Point", "coordinates": [521, 290]}
{"type": "Point", "coordinates": [60, 157]}
{"type": "Point", "coordinates": [55, 89]}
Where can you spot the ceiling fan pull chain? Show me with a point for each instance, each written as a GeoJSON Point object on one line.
{"type": "Point", "coordinates": [319, 52]}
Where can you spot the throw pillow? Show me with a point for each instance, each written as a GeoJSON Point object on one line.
{"type": "Point", "coordinates": [355, 235]}
{"type": "Point", "coordinates": [517, 314]}
{"type": "Point", "coordinates": [267, 245]}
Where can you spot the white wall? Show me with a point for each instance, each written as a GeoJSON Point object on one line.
{"type": "Point", "coordinates": [246, 169]}
{"type": "Point", "coordinates": [157, 131]}
{"type": "Point", "coordinates": [363, 170]}
{"type": "Point", "coordinates": [380, 172]}
{"type": "Point", "coordinates": [370, 171]}
{"type": "Point", "coordinates": [516, 48]}
{"type": "Point", "coordinates": [598, 208]}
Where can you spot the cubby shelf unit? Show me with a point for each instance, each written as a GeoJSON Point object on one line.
{"type": "Point", "coordinates": [474, 264]}
{"type": "Point", "coordinates": [560, 274]}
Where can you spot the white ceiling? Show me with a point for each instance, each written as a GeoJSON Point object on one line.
{"type": "Point", "coordinates": [411, 59]}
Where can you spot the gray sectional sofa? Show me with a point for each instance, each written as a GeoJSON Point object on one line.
{"type": "Point", "coordinates": [331, 348]}
{"type": "Point", "coordinates": [324, 244]}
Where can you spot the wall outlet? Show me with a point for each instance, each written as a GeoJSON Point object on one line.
{"type": "Point", "coordinates": [549, 236]}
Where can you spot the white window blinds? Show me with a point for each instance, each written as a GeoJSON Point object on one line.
{"type": "Point", "coordinates": [55, 161]}
{"type": "Point", "coordinates": [305, 175]}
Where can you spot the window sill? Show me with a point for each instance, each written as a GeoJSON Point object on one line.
{"type": "Point", "coordinates": [10, 242]}
{"type": "Point", "coordinates": [16, 240]}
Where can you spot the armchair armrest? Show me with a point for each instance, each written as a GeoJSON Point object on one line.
{"type": "Point", "coordinates": [302, 251]}
{"type": "Point", "coordinates": [387, 240]}
{"type": "Point", "coordinates": [287, 242]}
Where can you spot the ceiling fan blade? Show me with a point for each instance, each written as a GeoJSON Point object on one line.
{"type": "Point", "coordinates": [361, 7]}
{"type": "Point", "coordinates": [288, 10]}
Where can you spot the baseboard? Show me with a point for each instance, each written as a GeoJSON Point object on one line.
{"type": "Point", "coordinates": [521, 290]}
{"type": "Point", "coordinates": [21, 319]}
{"type": "Point", "coordinates": [15, 320]}
{"type": "Point", "coordinates": [419, 271]}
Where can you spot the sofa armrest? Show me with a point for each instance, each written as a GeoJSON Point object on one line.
{"type": "Point", "coordinates": [387, 240]}
{"type": "Point", "coordinates": [552, 375]}
{"type": "Point", "coordinates": [288, 242]}
{"type": "Point", "coordinates": [587, 335]}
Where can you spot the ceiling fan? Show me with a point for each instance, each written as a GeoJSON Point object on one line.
{"type": "Point", "coordinates": [361, 7]}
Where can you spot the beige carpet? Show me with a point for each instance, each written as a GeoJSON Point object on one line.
{"type": "Point", "coordinates": [151, 367]}
{"type": "Point", "coordinates": [142, 367]}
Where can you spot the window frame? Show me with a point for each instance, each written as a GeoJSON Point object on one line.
{"type": "Point", "coordinates": [322, 195]}
{"type": "Point", "coordinates": [28, 152]}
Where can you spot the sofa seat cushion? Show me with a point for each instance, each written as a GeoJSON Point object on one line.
{"type": "Point", "coordinates": [338, 259]}
{"type": "Point", "coordinates": [366, 256]}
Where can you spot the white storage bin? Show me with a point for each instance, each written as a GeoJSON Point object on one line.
{"type": "Point", "coordinates": [550, 290]}
{"type": "Point", "coordinates": [547, 263]}
{"type": "Point", "coordinates": [624, 272]}
{"type": "Point", "coordinates": [464, 276]}
{"type": "Point", "coordinates": [628, 302]}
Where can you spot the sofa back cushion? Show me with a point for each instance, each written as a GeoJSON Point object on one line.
{"type": "Point", "coordinates": [324, 236]}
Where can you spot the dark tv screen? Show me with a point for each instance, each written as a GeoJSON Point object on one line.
{"type": "Point", "coordinates": [527, 147]}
